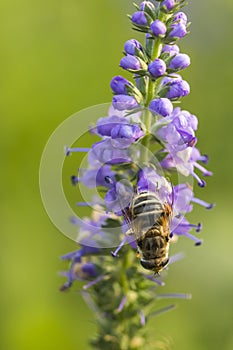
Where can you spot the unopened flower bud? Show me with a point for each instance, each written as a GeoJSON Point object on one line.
{"type": "Point", "coordinates": [180, 61]}
{"type": "Point", "coordinates": [118, 85]}
{"type": "Point", "coordinates": [132, 47]}
{"type": "Point", "coordinates": [168, 4]}
{"type": "Point", "coordinates": [140, 18]}
{"type": "Point", "coordinates": [178, 30]}
{"type": "Point", "coordinates": [158, 28]}
{"type": "Point", "coordinates": [157, 68]}
{"type": "Point", "coordinates": [132, 63]}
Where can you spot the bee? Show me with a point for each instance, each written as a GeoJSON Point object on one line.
{"type": "Point", "coordinates": [149, 219]}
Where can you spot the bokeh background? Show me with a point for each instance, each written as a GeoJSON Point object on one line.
{"type": "Point", "coordinates": [58, 57]}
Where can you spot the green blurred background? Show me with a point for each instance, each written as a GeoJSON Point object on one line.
{"type": "Point", "coordinates": [58, 57]}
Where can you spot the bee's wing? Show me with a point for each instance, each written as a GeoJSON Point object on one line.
{"type": "Point", "coordinates": [127, 216]}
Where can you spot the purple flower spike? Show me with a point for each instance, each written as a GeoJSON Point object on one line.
{"type": "Point", "coordinates": [178, 30]}
{"type": "Point", "coordinates": [180, 61]}
{"type": "Point", "coordinates": [138, 173]}
{"type": "Point", "coordinates": [139, 18]}
{"type": "Point", "coordinates": [124, 102]}
{"type": "Point", "coordinates": [132, 46]}
{"type": "Point", "coordinates": [157, 68]}
{"type": "Point", "coordinates": [130, 63]}
{"type": "Point", "coordinates": [168, 4]}
{"type": "Point", "coordinates": [161, 106]}
{"type": "Point", "coordinates": [118, 85]}
{"type": "Point", "coordinates": [158, 28]}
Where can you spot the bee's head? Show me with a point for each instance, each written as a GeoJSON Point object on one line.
{"type": "Point", "coordinates": [153, 265]}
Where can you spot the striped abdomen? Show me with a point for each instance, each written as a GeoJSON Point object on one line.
{"type": "Point", "coordinates": [147, 211]}
{"type": "Point", "coordinates": [151, 227]}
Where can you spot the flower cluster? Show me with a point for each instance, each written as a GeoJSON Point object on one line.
{"type": "Point", "coordinates": [144, 140]}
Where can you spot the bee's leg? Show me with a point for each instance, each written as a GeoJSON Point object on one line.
{"type": "Point", "coordinates": [115, 253]}
{"type": "Point", "coordinates": [157, 274]}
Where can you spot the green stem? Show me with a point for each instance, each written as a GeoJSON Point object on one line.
{"type": "Point", "coordinates": [124, 266]}
{"type": "Point", "coordinates": [156, 50]}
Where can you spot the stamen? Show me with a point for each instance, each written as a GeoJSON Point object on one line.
{"type": "Point", "coordinates": [68, 283]}
{"type": "Point", "coordinates": [153, 279]}
{"type": "Point", "coordinates": [85, 204]}
{"type": "Point", "coordinates": [142, 318]}
{"type": "Point", "coordinates": [122, 304]}
{"type": "Point", "coordinates": [204, 171]}
{"type": "Point", "coordinates": [69, 256]}
{"type": "Point", "coordinates": [89, 301]}
{"type": "Point", "coordinates": [69, 150]}
{"type": "Point", "coordinates": [95, 281]}
{"type": "Point", "coordinates": [204, 158]}
{"type": "Point", "coordinates": [65, 286]}
{"type": "Point", "coordinates": [174, 296]}
{"type": "Point", "coordinates": [203, 203]}
{"type": "Point", "coordinates": [175, 258]}
{"type": "Point", "coordinates": [162, 311]}
{"type": "Point", "coordinates": [75, 221]}
{"type": "Point", "coordinates": [201, 182]}
{"type": "Point", "coordinates": [74, 180]}
{"type": "Point", "coordinates": [193, 238]}
{"type": "Point", "coordinates": [122, 243]}
{"type": "Point", "coordinates": [198, 227]}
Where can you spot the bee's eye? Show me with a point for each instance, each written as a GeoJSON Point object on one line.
{"type": "Point", "coordinates": [147, 264]}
